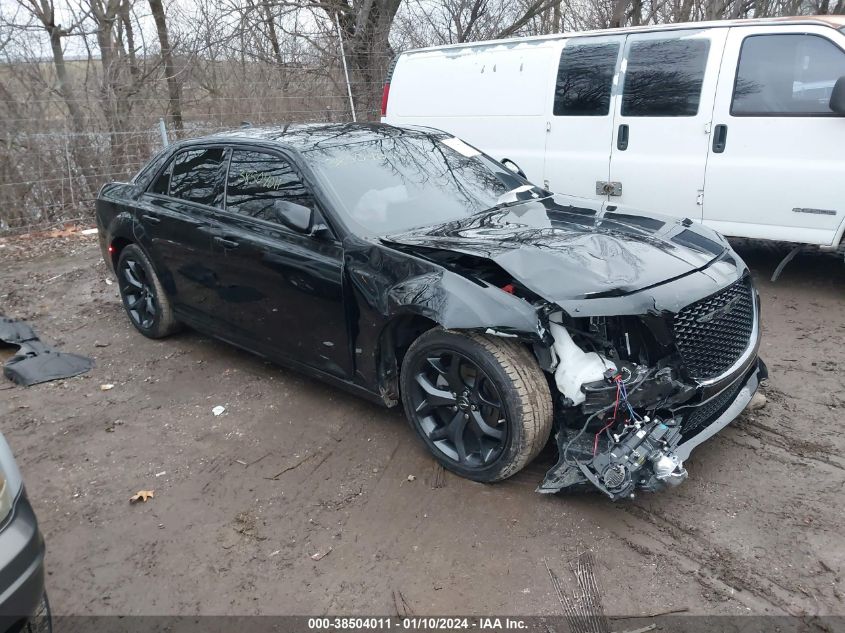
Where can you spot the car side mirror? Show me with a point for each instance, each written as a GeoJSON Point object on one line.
{"type": "Point", "coordinates": [294, 216]}
{"type": "Point", "coordinates": [512, 166]}
{"type": "Point", "coordinates": [837, 97]}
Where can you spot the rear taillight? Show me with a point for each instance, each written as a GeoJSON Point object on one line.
{"type": "Point", "coordinates": [385, 95]}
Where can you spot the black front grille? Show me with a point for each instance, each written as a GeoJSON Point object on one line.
{"type": "Point", "coordinates": [712, 334]}
{"type": "Point", "coordinates": [703, 415]}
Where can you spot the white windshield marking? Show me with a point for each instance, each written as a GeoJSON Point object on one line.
{"type": "Point", "coordinates": [459, 146]}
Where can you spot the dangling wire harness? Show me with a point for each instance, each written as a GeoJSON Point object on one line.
{"type": "Point", "coordinates": [621, 402]}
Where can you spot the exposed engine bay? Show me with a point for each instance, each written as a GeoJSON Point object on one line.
{"type": "Point", "coordinates": [625, 406]}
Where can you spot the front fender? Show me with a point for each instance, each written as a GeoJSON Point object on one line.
{"type": "Point", "coordinates": [384, 285]}
{"type": "Point", "coordinates": [457, 303]}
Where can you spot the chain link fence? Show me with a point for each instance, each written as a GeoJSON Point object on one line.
{"type": "Point", "coordinates": [50, 174]}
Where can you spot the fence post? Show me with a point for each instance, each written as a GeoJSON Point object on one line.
{"type": "Point", "coordinates": [345, 71]}
{"type": "Point", "coordinates": [163, 129]}
{"type": "Point", "coordinates": [69, 174]}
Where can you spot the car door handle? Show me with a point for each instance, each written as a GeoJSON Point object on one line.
{"type": "Point", "coordinates": [622, 137]}
{"type": "Point", "coordinates": [720, 138]}
{"type": "Point", "coordinates": [152, 219]}
{"type": "Point", "coordinates": [226, 243]}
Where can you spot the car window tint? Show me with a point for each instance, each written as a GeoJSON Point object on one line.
{"type": "Point", "coordinates": [786, 74]}
{"type": "Point", "coordinates": [198, 176]}
{"type": "Point", "coordinates": [664, 77]}
{"type": "Point", "coordinates": [584, 79]}
{"type": "Point", "coordinates": [257, 180]}
{"type": "Point", "coordinates": [162, 183]}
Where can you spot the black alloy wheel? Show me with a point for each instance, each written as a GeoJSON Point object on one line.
{"type": "Point", "coordinates": [144, 298]}
{"type": "Point", "coordinates": [480, 403]}
{"type": "Point", "coordinates": [459, 408]}
{"type": "Point", "coordinates": [138, 294]}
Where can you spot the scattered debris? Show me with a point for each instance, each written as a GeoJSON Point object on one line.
{"type": "Point", "coordinates": [582, 606]}
{"type": "Point", "coordinates": [438, 476]}
{"type": "Point", "coordinates": [255, 461]}
{"type": "Point", "coordinates": [274, 553]}
{"type": "Point", "coordinates": [403, 609]}
{"type": "Point", "coordinates": [141, 495]}
{"type": "Point", "coordinates": [218, 410]}
{"type": "Point", "coordinates": [247, 525]}
{"type": "Point", "coordinates": [106, 387]}
{"type": "Point", "coordinates": [655, 614]}
{"type": "Point", "coordinates": [291, 467]}
{"type": "Point", "coordinates": [88, 232]}
{"type": "Point", "coordinates": [321, 554]}
{"type": "Point", "coordinates": [412, 477]}
{"type": "Point", "coordinates": [644, 629]}
{"type": "Point", "coordinates": [35, 361]}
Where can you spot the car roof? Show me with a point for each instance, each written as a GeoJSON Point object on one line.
{"type": "Point", "coordinates": [833, 21]}
{"type": "Point", "coordinates": [306, 136]}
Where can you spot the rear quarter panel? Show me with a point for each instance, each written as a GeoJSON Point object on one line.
{"type": "Point", "coordinates": [114, 216]}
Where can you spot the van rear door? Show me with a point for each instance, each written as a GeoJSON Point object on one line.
{"type": "Point", "coordinates": [662, 120]}
{"type": "Point", "coordinates": [580, 128]}
{"type": "Point", "coordinates": [776, 163]}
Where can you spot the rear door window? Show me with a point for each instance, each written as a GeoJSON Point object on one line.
{"type": "Point", "coordinates": [162, 183]}
{"type": "Point", "coordinates": [197, 176]}
{"type": "Point", "coordinates": [257, 180]}
{"type": "Point", "coordinates": [585, 78]}
{"type": "Point", "coordinates": [786, 75]}
{"type": "Point", "coordinates": [663, 77]}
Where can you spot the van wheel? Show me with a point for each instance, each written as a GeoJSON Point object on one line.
{"type": "Point", "coordinates": [144, 298]}
{"type": "Point", "coordinates": [481, 404]}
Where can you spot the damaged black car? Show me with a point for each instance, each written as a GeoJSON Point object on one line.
{"type": "Point", "coordinates": [410, 268]}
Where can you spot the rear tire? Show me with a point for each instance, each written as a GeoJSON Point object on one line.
{"type": "Point", "coordinates": [481, 404]}
{"type": "Point", "coordinates": [144, 299]}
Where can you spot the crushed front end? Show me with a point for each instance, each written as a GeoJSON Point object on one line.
{"type": "Point", "coordinates": [636, 393]}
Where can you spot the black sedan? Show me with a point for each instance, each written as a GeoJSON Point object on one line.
{"type": "Point", "coordinates": [408, 267]}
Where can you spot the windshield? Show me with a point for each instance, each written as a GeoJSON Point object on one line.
{"type": "Point", "coordinates": [393, 183]}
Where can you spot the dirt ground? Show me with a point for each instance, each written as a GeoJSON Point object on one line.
{"type": "Point", "coordinates": [294, 468]}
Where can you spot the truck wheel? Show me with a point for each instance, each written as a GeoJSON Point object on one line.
{"type": "Point", "coordinates": [144, 298]}
{"type": "Point", "coordinates": [481, 404]}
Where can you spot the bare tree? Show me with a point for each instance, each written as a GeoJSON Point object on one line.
{"type": "Point", "coordinates": [174, 90]}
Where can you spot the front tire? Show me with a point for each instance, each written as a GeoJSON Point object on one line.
{"type": "Point", "coordinates": [143, 296]}
{"type": "Point", "coordinates": [481, 404]}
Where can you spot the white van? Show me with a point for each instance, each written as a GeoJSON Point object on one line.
{"type": "Point", "coordinates": [728, 123]}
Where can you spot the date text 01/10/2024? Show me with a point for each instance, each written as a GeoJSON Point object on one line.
{"type": "Point", "coordinates": [416, 623]}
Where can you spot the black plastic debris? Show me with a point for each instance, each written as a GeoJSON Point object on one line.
{"type": "Point", "coordinates": [35, 361]}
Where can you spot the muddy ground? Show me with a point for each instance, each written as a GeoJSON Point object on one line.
{"type": "Point", "coordinates": [295, 468]}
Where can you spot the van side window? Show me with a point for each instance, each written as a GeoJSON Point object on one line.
{"type": "Point", "coordinates": [198, 176]}
{"type": "Point", "coordinates": [664, 77]}
{"type": "Point", "coordinates": [257, 181]}
{"type": "Point", "coordinates": [786, 75]}
{"type": "Point", "coordinates": [584, 79]}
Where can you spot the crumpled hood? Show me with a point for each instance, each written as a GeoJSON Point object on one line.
{"type": "Point", "coordinates": [563, 252]}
